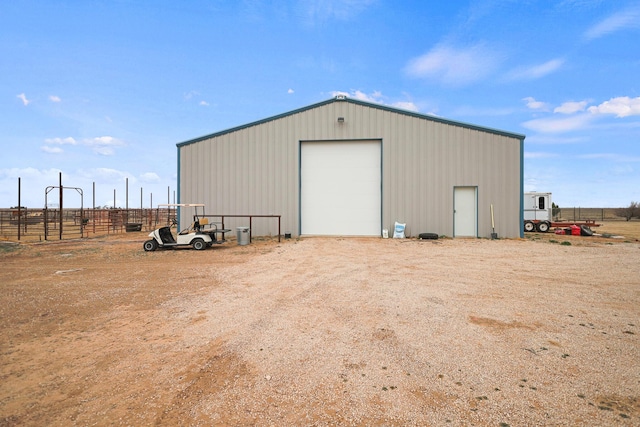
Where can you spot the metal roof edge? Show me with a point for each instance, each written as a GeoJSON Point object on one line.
{"type": "Point", "coordinates": [258, 122]}
{"type": "Point", "coordinates": [437, 118]}
{"type": "Point", "coordinates": [342, 98]}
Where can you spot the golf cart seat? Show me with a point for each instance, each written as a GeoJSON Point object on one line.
{"type": "Point", "coordinates": [199, 224]}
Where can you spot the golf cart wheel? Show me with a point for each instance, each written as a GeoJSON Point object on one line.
{"type": "Point", "coordinates": [529, 226]}
{"type": "Point", "coordinates": [543, 227]}
{"type": "Point", "coordinates": [150, 245]}
{"type": "Point", "coordinates": [199, 244]}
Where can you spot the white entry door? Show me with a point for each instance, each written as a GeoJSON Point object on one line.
{"type": "Point", "coordinates": [465, 222]}
{"type": "Point", "coordinates": [340, 186]}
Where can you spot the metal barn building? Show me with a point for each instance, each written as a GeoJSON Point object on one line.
{"type": "Point", "coordinates": [345, 167]}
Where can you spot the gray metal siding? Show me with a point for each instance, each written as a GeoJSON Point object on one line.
{"type": "Point", "coordinates": [255, 169]}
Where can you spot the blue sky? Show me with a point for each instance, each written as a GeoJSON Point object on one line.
{"type": "Point", "coordinates": [102, 90]}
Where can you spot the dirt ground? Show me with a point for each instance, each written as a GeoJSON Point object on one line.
{"type": "Point", "coordinates": [323, 331]}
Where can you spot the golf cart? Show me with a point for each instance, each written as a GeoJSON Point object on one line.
{"type": "Point", "coordinates": [200, 234]}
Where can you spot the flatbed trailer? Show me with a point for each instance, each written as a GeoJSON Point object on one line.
{"type": "Point", "coordinates": [538, 214]}
{"type": "Point", "coordinates": [543, 226]}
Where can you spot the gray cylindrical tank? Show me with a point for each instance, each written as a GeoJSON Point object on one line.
{"type": "Point", "coordinates": [242, 235]}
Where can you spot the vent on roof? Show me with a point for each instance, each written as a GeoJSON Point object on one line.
{"type": "Point", "coordinates": [341, 96]}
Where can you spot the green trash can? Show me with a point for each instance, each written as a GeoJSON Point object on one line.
{"type": "Point", "coordinates": [242, 235]}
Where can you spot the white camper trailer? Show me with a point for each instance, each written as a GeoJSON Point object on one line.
{"type": "Point", "coordinates": [537, 211]}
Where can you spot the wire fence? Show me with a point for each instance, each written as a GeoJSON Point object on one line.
{"type": "Point", "coordinates": [53, 224]}
{"type": "Point", "coordinates": [583, 214]}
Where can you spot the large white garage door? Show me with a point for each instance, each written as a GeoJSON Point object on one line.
{"type": "Point", "coordinates": [340, 184]}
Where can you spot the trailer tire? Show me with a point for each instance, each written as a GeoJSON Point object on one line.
{"type": "Point", "coordinates": [428, 236]}
{"type": "Point", "coordinates": [150, 245]}
{"type": "Point", "coordinates": [585, 231]}
{"type": "Point", "coordinates": [543, 226]}
{"type": "Point", "coordinates": [529, 226]}
{"type": "Point", "coordinates": [198, 244]}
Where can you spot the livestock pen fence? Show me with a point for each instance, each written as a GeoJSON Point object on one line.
{"type": "Point", "coordinates": [30, 224]}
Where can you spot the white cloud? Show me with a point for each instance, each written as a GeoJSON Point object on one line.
{"type": "Point", "coordinates": [103, 141]}
{"type": "Point", "coordinates": [104, 151]}
{"type": "Point", "coordinates": [621, 107]}
{"type": "Point", "coordinates": [571, 107]}
{"type": "Point", "coordinates": [106, 174]}
{"type": "Point", "coordinates": [61, 141]}
{"type": "Point", "coordinates": [51, 150]}
{"type": "Point", "coordinates": [535, 105]}
{"type": "Point", "coordinates": [290, 91]}
{"type": "Point", "coordinates": [103, 145]}
{"type": "Point", "coordinates": [629, 18]}
{"type": "Point", "coordinates": [536, 71]}
{"type": "Point", "coordinates": [454, 66]}
{"type": "Point", "coordinates": [376, 97]}
{"type": "Point", "coordinates": [23, 98]}
{"type": "Point", "coordinates": [33, 183]}
{"type": "Point", "coordinates": [555, 125]}
{"type": "Point", "coordinates": [149, 177]}
{"type": "Point", "coordinates": [406, 105]}
{"type": "Point", "coordinates": [31, 173]}
{"type": "Point", "coordinates": [54, 98]}
{"type": "Point", "coordinates": [57, 141]}
{"type": "Point", "coordinates": [191, 94]}
{"type": "Point", "coordinates": [106, 180]}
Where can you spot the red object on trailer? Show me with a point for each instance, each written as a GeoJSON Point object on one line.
{"type": "Point", "coordinates": [575, 230]}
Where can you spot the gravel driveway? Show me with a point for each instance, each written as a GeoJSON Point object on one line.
{"type": "Point", "coordinates": [322, 331]}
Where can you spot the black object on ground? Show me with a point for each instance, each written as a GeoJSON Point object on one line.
{"type": "Point", "coordinates": [428, 236]}
{"type": "Point", "coordinates": [585, 231]}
